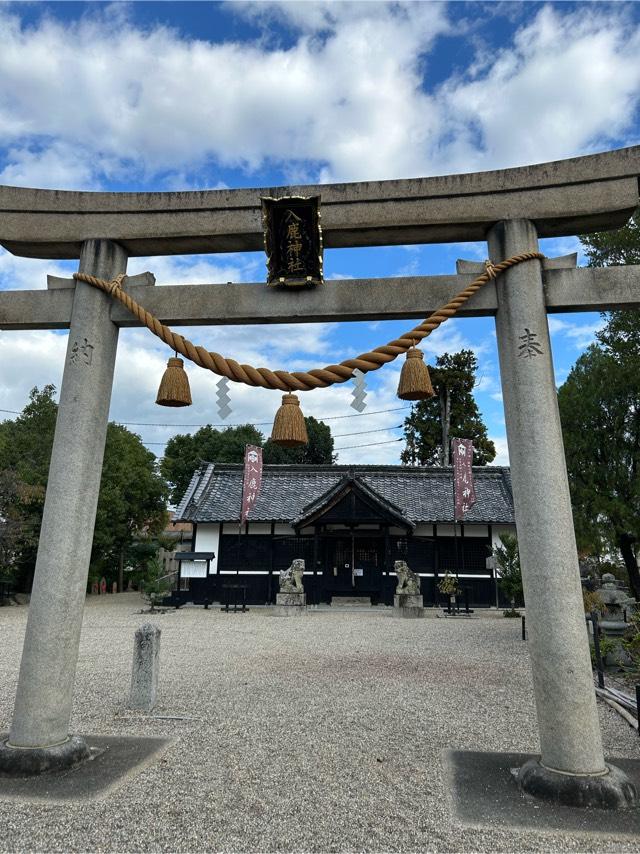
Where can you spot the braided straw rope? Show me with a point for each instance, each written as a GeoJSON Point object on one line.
{"type": "Point", "coordinates": [301, 380]}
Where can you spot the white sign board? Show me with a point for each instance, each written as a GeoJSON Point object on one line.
{"type": "Point", "coordinates": [193, 569]}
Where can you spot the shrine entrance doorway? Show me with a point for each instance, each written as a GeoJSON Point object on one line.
{"type": "Point", "coordinates": [353, 566]}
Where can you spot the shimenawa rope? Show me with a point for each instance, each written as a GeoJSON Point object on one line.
{"type": "Point", "coordinates": [301, 380]}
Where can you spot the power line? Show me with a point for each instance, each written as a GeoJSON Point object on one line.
{"type": "Point", "coordinates": [262, 423]}
{"type": "Point", "coordinates": [369, 444]}
{"type": "Point", "coordinates": [252, 423]}
{"type": "Point", "coordinates": [338, 436]}
{"type": "Point", "coordinates": [244, 424]}
{"type": "Point", "coordinates": [365, 432]}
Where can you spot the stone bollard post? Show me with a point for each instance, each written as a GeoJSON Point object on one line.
{"type": "Point", "coordinates": [146, 664]}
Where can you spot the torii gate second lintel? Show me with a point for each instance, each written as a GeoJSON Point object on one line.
{"type": "Point", "coordinates": [509, 208]}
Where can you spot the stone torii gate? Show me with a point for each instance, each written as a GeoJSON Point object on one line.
{"type": "Point", "coordinates": [509, 209]}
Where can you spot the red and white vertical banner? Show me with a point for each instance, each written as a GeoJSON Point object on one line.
{"type": "Point", "coordinates": [252, 479]}
{"type": "Point", "coordinates": [463, 489]}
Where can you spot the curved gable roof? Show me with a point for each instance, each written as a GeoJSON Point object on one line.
{"type": "Point", "coordinates": [317, 508]}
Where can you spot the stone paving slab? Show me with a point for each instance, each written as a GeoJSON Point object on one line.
{"type": "Point", "coordinates": [114, 761]}
{"type": "Point", "coordinates": [484, 794]}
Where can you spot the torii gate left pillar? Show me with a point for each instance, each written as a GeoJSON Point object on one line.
{"type": "Point", "coordinates": [39, 737]}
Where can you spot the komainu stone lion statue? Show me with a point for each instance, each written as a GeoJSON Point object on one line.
{"type": "Point", "coordinates": [291, 578]}
{"type": "Point", "coordinates": [408, 581]}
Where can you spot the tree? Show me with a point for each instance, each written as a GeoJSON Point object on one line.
{"type": "Point", "coordinates": [600, 413]}
{"type": "Point", "coordinates": [155, 585]}
{"type": "Point", "coordinates": [132, 501]}
{"type": "Point", "coordinates": [452, 412]}
{"type": "Point", "coordinates": [614, 248]}
{"type": "Point", "coordinates": [131, 505]}
{"type": "Point", "coordinates": [184, 453]}
{"type": "Point", "coordinates": [508, 564]}
{"type": "Point", "coordinates": [25, 451]}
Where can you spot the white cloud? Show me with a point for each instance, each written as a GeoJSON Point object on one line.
{"type": "Point", "coordinates": [569, 83]}
{"type": "Point", "coordinates": [502, 451]}
{"type": "Point", "coordinates": [580, 335]}
{"type": "Point", "coordinates": [19, 274]}
{"type": "Point", "coordinates": [346, 98]}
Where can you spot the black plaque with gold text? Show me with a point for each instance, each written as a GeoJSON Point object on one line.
{"type": "Point", "coordinates": [293, 241]}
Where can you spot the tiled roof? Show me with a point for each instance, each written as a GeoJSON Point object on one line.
{"type": "Point", "coordinates": [352, 484]}
{"type": "Point", "coordinates": [422, 494]}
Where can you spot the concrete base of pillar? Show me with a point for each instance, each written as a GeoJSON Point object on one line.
{"type": "Point", "coordinates": [484, 794]}
{"type": "Point", "coordinates": [610, 791]}
{"type": "Point", "coordinates": [405, 605]}
{"type": "Point", "coordinates": [290, 605]}
{"type": "Point", "coordinates": [31, 761]}
{"type": "Point", "coordinates": [289, 610]}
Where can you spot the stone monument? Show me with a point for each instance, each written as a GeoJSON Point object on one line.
{"type": "Point", "coordinates": [407, 601]}
{"type": "Point", "coordinates": [613, 623]}
{"type": "Point", "coordinates": [291, 601]}
{"type": "Point", "coordinates": [616, 602]}
{"type": "Point", "coordinates": [146, 665]}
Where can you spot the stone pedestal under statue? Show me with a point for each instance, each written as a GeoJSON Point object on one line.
{"type": "Point", "coordinates": [290, 604]}
{"type": "Point", "coordinates": [407, 605]}
{"type": "Point", "coordinates": [291, 601]}
{"type": "Point", "coordinates": [407, 601]}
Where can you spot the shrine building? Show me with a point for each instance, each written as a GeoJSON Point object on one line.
{"type": "Point", "coordinates": [349, 523]}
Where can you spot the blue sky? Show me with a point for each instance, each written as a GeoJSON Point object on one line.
{"type": "Point", "coordinates": [165, 96]}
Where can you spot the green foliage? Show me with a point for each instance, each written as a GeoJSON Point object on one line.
{"type": "Point", "coordinates": [25, 451]}
{"type": "Point", "coordinates": [184, 453]}
{"type": "Point", "coordinates": [448, 585]}
{"type": "Point", "coordinates": [608, 646]}
{"type": "Point", "coordinates": [132, 500]}
{"type": "Point", "coordinates": [508, 566]}
{"type": "Point", "coordinates": [453, 412]}
{"type": "Point", "coordinates": [592, 601]}
{"type": "Point", "coordinates": [600, 413]}
{"type": "Point", "coordinates": [614, 248]}
{"type": "Point", "coordinates": [155, 585]}
{"type": "Point", "coordinates": [511, 613]}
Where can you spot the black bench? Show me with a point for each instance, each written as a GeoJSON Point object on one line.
{"type": "Point", "coordinates": [227, 590]}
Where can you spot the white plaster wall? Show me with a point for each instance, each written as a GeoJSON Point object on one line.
{"type": "Point", "coordinates": [259, 527]}
{"type": "Point", "coordinates": [446, 531]}
{"type": "Point", "coordinates": [421, 530]}
{"type": "Point", "coordinates": [281, 528]}
{"type": "Point", "coordinates": [230, 528]}
{"type": "Point", "coordinates": [469, 530]}
{"type": "Point", "coordinates": [208, 540]}
{"type": "Point", "coordinates": [476, 530]}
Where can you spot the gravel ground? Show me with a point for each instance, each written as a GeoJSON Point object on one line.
{"type": "Point", "coordinates": [321, 733]}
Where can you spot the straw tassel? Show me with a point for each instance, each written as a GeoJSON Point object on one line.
{"type": "Point", "coordinates": [415, 382]}
{"type": "Point", "coordinates": [174, 387]}
{"type": "Point", "coordinates": [289, 429]}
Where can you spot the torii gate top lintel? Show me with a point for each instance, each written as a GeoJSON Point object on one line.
{"type": "Point", "coordinates": [564, 197]}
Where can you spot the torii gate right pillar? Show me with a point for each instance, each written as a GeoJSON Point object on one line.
{"type": "Point", "coordinates": [571, 768]}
